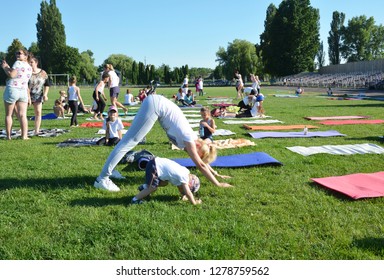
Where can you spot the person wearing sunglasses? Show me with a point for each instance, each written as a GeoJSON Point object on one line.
{"type": "Point", "coordinates": [16, 92]}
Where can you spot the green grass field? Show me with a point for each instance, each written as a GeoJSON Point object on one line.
{"type": "Point", "coordinates": [49, 208]}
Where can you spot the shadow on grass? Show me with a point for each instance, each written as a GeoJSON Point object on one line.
{"type": "Point", "coordinates": [370, 138]}
{"type": "Point", "coordinates": [374, 245]}
{"type": "Point", "coordinates": [108, 201]}
{"type": "Point", "coordinates": [330, 192]}
{"type": "Point", "coordinates": [48, 183]}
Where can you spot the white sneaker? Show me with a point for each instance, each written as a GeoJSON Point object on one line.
{"type": "Point", "coordinates": [116, 175]}
{"type": "Point", "coordinates": [106, 184]}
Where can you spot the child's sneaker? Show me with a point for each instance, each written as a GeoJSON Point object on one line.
{"type": "Point", "coordinates": [137, 201]}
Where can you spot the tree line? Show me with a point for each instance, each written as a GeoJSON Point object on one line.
{"type": "Point", "coordinates": [290, 44]}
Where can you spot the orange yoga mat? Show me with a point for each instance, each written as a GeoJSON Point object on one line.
{"type": "Point", "coordinates": [278, 127]}
{"type": "Point", "coordinates": [100, 124]}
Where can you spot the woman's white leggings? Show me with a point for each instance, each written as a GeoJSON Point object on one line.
{"type": "Point", "coordinates": [141, 125]}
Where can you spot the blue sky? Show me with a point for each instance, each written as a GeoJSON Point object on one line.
{"type": "Point", "coordinates": [170, 32]}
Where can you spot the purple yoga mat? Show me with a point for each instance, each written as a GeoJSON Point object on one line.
{"type": "Point", "coordinates": [295, 134]}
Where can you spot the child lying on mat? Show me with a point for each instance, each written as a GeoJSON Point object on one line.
{"type": "Point", "coordinates": [113, 127]}
{"type": "Point", "coordinates": [160, 171]}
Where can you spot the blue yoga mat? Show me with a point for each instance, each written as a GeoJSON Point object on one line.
{"type": "Point", "coordinates": [240, 160]}
{"type": "Point", "coordinates": [49, 116]}
{"type": "Point", "coordinates": [291, 134]}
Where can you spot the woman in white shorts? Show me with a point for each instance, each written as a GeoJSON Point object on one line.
{"type": "Point", "coordinates": [16, 92]}
{"type": "Point", "coordinates": [179, 131]}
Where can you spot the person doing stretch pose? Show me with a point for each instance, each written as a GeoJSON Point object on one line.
{"type": "Point", "coordinates": [156, 107]}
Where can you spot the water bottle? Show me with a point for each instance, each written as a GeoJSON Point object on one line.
{"type": "Point", "coordinates": [201, 130]}
{"type": "Point", "coordinates": [305, 130]}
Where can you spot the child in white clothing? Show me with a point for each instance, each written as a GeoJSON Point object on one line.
{"type": "Point", "coordinates": [160, 171]}
{"type": "Point", "coordinates": [113, 127]}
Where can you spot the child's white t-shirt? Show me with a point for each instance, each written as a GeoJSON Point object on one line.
{"type": "Point", "coordinates": [114, 127]}
{"type": "Point", "coordinates": [169, 170]}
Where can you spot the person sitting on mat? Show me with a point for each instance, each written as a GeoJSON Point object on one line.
{"type": "Point", "coordinates": [207, 125]}
{"type": "Point", "coordinates": [159, 171]}
{"type": "Point", "coordinates": [179, 131]}
{"type": "Point", "coordinates": [58, 109]}
{"type": "Point", "coordinates": [246, 103]}
{"type": "Point", "coordinates": [113, 127]}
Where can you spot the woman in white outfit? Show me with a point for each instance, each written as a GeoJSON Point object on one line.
{"type": "Point", "coordinates": [176, 126]}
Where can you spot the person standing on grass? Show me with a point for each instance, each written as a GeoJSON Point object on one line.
{"type": "Point", "coordinates": [114, 88]}
{"type": "Point", "coordinates": [99, 97]}
{"type": "Point", "coordinates": [201, 86]}
{"type": "Point", "coordinates": [179, 131]}
{"type": "Point", "coordinates": [239, 85]}
{"type": "Point", "coordinates": [38, 91]}
{"type": "Point", "coordinates": [73, 98]}
{"type": "Point", "coordinates": [16, 94]}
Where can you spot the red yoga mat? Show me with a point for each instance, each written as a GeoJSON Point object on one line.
{"type": "Point", "coordinates": [342, 122]}
{"type": "Point", "coordinates": [357, 185]}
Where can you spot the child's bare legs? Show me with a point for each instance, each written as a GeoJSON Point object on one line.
{"type": "Point", "coordinates": [240, 92]}
{"type": "Point", "coordinates": [37, 107]}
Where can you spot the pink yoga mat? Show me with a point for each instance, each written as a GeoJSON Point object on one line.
{"type": "Point", "coordinates": [351, 122]}
{"type": "Point", "coordinates": [335, 118]}
{"type": "Point", "coordinates": [357, 185]}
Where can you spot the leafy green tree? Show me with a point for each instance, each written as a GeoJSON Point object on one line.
{"type": "Point", "coordinates": [153, 73]}
{"type": "Point", "coordinates": [141, 80]}
{"type": "Point", "coordinates": [34, 49]}
{"type": "Point", "coordinates": [265, 39]}
{"type": "Point", "coordinates": [218, 72]}
{"type": "Point", "coordinates": [135, 73]}
{"type": "Point", "coordinates": [292, 39]}
{"type": "Point", "coordinates": [50, 36]}
{"type": "Point", "coordinates": [176, 74]}
{"type": "Point", "coordinates": [12, 49]}
{"type": "Point", "coordinates": [167, 75]}
{"type": "Point", "coordinates": [122, 63]}
{"type": "Point", "coordinates": [361, 40]}
{"type": "Point", "coordinates": [147, 74]}
{"type": "Point", "coordinates": [377, 42]}
{"type": "Point", "coordinates": [10, 57]}
{"type": "Point", "coordinates": [240, 55]}
{"type": "Point", "coordinates": [87, 69]}
{"type": "Point", "coordinates": [195, 72]}
{"type": "Point", "coordinates": [334, 38]}
{"type": "Point", "coordinates": [320, 56]}
{"type": "Point", "coordinates": [69, 62]}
